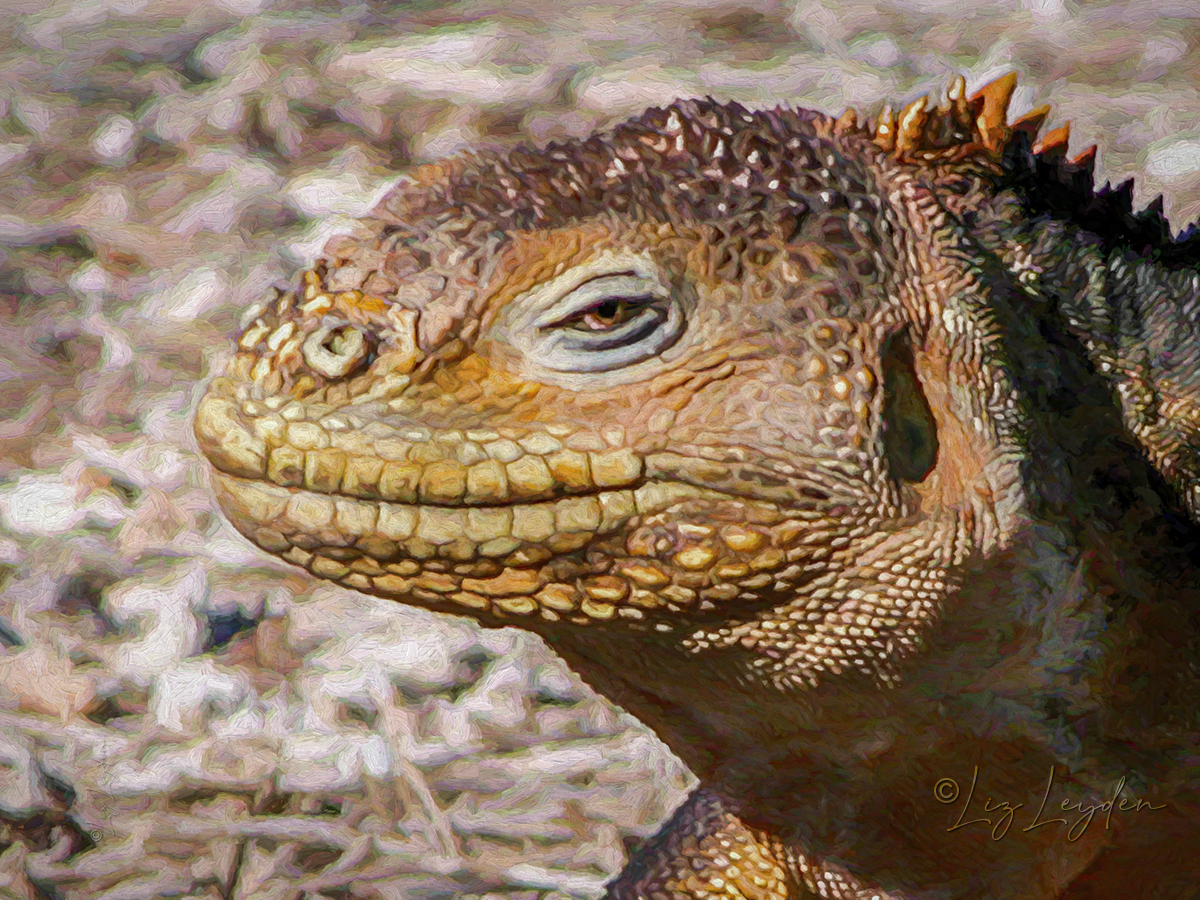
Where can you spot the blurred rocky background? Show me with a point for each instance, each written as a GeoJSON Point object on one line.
{"type": "Point", "coordinates": [181, 716]}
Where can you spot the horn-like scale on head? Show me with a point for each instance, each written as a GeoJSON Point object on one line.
{"type": "Point", "coordinates": [965, 128]}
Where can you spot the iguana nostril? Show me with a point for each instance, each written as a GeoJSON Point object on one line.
{"type": "Point", "coordinates": [338, 351]}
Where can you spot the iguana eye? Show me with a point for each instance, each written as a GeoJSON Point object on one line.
{"type": "Point", "coordinates": [610, 321]}
{"type": "Point", "coordinates": [608, 313]}
{"type": "Point", "coordinates": [614, 314]}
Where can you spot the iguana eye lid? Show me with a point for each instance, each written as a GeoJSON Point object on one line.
{"type": "Point", "coordinates": [607, 315]}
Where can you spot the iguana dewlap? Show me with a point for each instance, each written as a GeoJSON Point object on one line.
{"type": "Point", "coordinates": [860, 461]}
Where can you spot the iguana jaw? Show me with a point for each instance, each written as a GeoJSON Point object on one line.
{"type": "Point", "coordinates": [651, 554]}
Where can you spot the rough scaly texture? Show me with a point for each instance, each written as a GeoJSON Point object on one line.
{"type": "Point", "coordinates": [851, 457]}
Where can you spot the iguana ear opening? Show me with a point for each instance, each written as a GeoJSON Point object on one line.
{"type": "Point", "coordinates": [909, 428]}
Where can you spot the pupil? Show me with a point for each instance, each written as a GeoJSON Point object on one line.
{"type": "Point", "coordinates": [608, 309]}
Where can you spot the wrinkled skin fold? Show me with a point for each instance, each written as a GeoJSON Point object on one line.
{"type": "Point", "coordinates": [859, 460]}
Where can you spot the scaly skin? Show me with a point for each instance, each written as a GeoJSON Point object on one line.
{"type": "Point", "coordinates": [848, 457]}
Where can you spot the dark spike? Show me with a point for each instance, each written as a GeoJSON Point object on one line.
{"type": "Point", "coordinates": [1123, 196]}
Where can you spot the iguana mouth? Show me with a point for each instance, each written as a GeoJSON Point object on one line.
{"type": "Point", "coordinates": [506, 560]}
{"type": "Point", "coordinates": [414, 466]}
{"type": "Point", "coordinates": [386, 530]}
{"type": "Point", "coordinates": [320, 450]}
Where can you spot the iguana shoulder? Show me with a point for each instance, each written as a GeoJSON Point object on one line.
{"type": "Point", "coordinates": [851, 457]}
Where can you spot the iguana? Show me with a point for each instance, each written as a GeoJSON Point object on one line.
{"type": "Point", "coordinates": [859, 459]}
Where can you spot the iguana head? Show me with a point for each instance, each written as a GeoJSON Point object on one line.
{"type": "Point", "coordinates": [731, 378]}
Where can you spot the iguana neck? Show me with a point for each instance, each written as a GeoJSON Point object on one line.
{"type": "Point", "coordinates": [1139, 321]}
